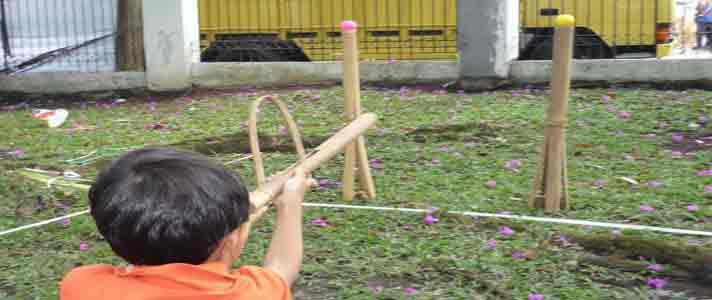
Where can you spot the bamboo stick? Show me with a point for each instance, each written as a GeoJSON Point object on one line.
{"type": "Point", "coordinates": [255, 141]}
{"type": "Point", "coordinates": [552, 167]}
{"type": "Point", "coordinates": [351, 96]}
{"type": "Point", "coordinates": [356, 154]}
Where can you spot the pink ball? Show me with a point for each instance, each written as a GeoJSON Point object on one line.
{"type": "Point", "coordinates": [349, 26]}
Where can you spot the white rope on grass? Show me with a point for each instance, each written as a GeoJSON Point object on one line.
{"type": "Point", "coordinates": [526, 218]}
{"type": "Point", "coordinates": [471, 214]}
{"type": "Point", "coordinates": [38, 224]}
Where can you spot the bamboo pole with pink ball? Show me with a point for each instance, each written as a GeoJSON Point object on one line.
{"type": "Point", "coordinates": [356, 157]}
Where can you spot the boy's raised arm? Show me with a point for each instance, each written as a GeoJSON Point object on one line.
{"type": "Point", "coordinates": [286, 250]}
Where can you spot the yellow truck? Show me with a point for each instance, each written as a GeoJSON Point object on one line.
{"type": "Point", "coordinates": [254, 30]}
{"type": "Point", "coordinates": [307, 30]}
{"type": "Point", "coordinates": [604, 28]}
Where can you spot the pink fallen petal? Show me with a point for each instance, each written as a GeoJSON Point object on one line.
{"type": "Point", "coordinates": [535, 296]}
{"type": "Point", "coordinates": [655, 184]}
{"type": "Point", "coordinates": [600, 183]}
{"type": "Point", "coordinates": [376, 289]}
{"type": "Point", "coordinates": [519, 255]}
{"type": "Point", "coordinates": [513, 164]}
{"type": "Point", "coordinates": [410, 291]}
{"type": "Point", "coordinates": [647, 208]}
{"type": "Point", "coordinates": [65, 222]}
{"type": "Point", "coordinates": [624, 115]}
{"type": "Point", "coordinates": [678, 138]}
{"type": "Point", "coordinates": [84, 246]}
{"type": "Point", "coordinates": [430, 219]}
{"type": "Point", "coordinates": [320, 222]}
{"type": "Point", "coordinates": [708, 189]}
{"type": "Point", "coordinates": [657, 283]}
{"type": "Point", "coordinates": [491, 184]}
{"type": "Point", "coordinates": [506, 231]}
{"type": "Point", "coordinates": [377, 164]}
{"type": "Point", "coordinates": [17, 153]}
{"type": "Point", "coordinates": [491, 244]}
{"type": "Point", "coordinates": [693, 208]}
{"type": "Point", "coordinates": [707, 172]}
{"type": "Point", "coordinates": [656, 268]}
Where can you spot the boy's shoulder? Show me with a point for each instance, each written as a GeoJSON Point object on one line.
{"type": "Point", "coordinates": [88, 272]}
{"type": "Point", "coordinates": [204, 281]}
{"type": "Point", "coordinates": [83, 279]}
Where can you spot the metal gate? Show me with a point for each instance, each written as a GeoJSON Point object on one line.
{"type": "Point", "coordinates": [58, 35]}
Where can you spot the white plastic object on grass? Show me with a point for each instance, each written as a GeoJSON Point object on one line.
{"type": "Point", "coordinates": [54, 118]}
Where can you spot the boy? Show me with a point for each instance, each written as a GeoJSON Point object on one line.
{"type": "Point", "coordinates": [181, 221]}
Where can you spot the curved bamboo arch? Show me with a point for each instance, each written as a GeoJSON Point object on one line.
{"type": "Point", "coordinates": [254, 138]}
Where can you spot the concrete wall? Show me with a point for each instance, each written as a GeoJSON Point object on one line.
{"type": "Point", "coordinates": [172, 43]}
{"type": "Point", "coordinates": [488, 36]}
{"type": "Point", "coordinates": [488, 40]}
{"type": "Point", "coordinates": [619, 71]}
{"type": "Point", "coordinates": [71, 82]}
{"type": "Point", "coordinates": [281, 73]}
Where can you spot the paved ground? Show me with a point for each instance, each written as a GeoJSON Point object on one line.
{"type": "Point", "coordinates": [691, 53]}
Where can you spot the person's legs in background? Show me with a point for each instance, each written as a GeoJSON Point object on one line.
{"type": "Point", "coordinates": [707, 32]}
{"type": "Point", "coordinates": [700, 34]}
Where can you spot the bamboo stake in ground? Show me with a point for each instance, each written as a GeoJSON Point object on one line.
{"type": "Point", "coordinates": [355, 153]}
{"type": "Point", "coordinates": [550, 184]}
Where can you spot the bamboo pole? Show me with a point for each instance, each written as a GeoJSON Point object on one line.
{"type": "Point", "coordinates": [552, 171]}
{"type": "Point", "coordinates": [356, 154]}
{"type": "Point", "coordinates": [129, 42]}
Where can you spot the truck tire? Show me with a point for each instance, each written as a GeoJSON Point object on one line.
{"type": "Point", "coordinates": [253, 50]}
{"type": "Point", "coordinates": [585, 47]}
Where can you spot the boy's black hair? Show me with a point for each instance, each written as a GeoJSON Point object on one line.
{"type": "Point", "coordinates": [158, 206]}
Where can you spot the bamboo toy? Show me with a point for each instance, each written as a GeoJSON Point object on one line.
{"type": "Point", "coordinates": [355, 153]}
{"type": "Point", "coordinates": [267, 190]}
{"type": "Point", "coordinates": [265, 193]}
{"type": "Point", "coordinates": [551, 181]}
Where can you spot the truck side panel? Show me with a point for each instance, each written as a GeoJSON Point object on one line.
{"type": "Point", "coordinates": [403, 29]}
{"type": "Point", "coordinates": [617, 22]}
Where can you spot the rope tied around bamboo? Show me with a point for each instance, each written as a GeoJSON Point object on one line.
{"type": "Point", "coordinates": [558, 124]}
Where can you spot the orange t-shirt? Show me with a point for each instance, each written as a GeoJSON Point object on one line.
{"type": "Point", "coordinates": [211, 281]}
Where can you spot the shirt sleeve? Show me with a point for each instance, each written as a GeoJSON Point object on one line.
{"type": "Point", "coordinates": [270, 284]}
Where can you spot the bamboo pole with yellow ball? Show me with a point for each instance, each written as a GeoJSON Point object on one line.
{"type": "Point", "coordinates": [551, 181]}
{"type": "Point", "coordinates": [355, 153]}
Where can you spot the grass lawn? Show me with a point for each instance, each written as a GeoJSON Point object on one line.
{"type": "Point", "coordinates": [627, 148]}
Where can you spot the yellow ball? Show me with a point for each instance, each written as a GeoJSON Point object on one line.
{"type": "Point", "coordinates": [565, 21]}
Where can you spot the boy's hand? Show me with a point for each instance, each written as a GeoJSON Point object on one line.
{"type": "Point", "coordinates": [294, 189]}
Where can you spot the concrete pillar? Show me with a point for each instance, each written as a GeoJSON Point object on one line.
{"type": "Point", "coordinates": [172, 43]}
{"type": "Point", "coordinates": [488, 41]}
